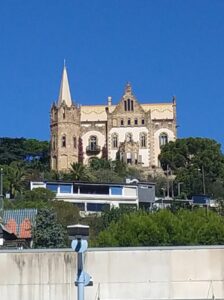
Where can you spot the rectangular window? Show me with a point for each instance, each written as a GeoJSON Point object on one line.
{"type": "Point", "coordinates": [94, 189]}
{"type": "Point", "coordinates": [136, 121]}
{"type": "Point", "coordinates": [129, 121]}
{"type": "Point", "coordinates": [122, 122]}
{"type": "Point", "coordinates": [97, 207]}
{"type": "Point", "coordinates": [143, 121]}
{"type": "Point", "coordinates": [65, 188]}
{"type": "Point", "coordinates": [116, 190]}
{"type": "Point", "coordinates": [75, 189]}
{"type": "Point", "coordinates": [52, 187]}
{"type": "Point", "coordinates": [130, 191]}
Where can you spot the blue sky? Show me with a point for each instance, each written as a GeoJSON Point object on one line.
{"type": "Point", "coordinates": [163, 47]}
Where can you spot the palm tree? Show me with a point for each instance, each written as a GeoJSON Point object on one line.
{"type": "Point", "coordinates": [15, 174]}
{"type": "Point", "coordinates": [78, 171]}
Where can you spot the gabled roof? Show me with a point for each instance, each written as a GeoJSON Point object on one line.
{"type": "Point", "coordinates": [20, 221]}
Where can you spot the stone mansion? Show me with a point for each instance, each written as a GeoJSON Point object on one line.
{"type": "Point", "coordinates": [129, 131]}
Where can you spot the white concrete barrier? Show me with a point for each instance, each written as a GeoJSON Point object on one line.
{"type": "Point", "coordinates": [119, 273]}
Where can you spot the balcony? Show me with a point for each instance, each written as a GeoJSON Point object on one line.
{"type": "Point", "coordinates": [92, 150]}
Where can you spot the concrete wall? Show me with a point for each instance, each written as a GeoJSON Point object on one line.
{"type": "Point", "coordinates": [132, 273]}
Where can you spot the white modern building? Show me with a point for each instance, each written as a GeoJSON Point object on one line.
{"type": "Point", "coordinates": [96, 197]}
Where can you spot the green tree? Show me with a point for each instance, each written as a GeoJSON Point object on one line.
{"type": "Point", "coordinates": [80, 151]}
{"type": "Point", "coordinates": [185, 227]}
{"type": "Point", "coordinates": [14, 178]}
{"type": "Point", "coordinates": [29, 151]}
{"type": "Point", "coordinates": [194, 160]}
{"type": "Point", "coordinates": [37, 198]}
{"type": "Point", "coordinates": [78, 172]}
{"type": "Point", "coordinates": [100, 163]}
{"type": "Point", "coordinates": [47, 232]}
{"type": "Point", "coordinates": [67, 213]}
{"type": "Point", "coordinates": [106, 175]}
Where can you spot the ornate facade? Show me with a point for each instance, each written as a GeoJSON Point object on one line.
{"type": "Point", "coordinates": [128, 131]}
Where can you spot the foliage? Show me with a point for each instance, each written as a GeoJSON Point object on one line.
{"type": "Point", "coordinates": [194, 160]}
{"type": "Point", "coordinates": [48, 233]}
{"type": "Point", "coordinates": [79, 172]}
{"type": "Point", "coordinates": [14, 179]}
{"type": "Point", "coordinates": [26, 150]}
{"type": "Point", "coordinates": [67, 213]}
{"type": "Point", "coordinates": [80, 151]}
{"type": "Point", "coordinates": [100, 163]}
{"type": "Point", "coordinates": [164, 228]}
{"type": "Point", "coordinates": [37, 198]}
{"type": "Point", "coordinates": [104, 152]}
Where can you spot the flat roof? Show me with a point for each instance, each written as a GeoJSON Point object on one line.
{"type": "Point", "coordinates": [94, 183]}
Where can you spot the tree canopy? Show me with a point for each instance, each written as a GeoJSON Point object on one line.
{"type": "Point", "coordinates": [194, 160]}
{"type": "Point", "coordinates": [48, 232]}
{"type": "Point", "coordinates": [26, 150]}
{"type": "Point", "coordinates": [164, 228]}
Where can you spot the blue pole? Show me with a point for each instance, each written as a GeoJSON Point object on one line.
{"type": "Point", "coordinates": [80, 277]}
{"type": "Point", "coordinates": [83, 279]}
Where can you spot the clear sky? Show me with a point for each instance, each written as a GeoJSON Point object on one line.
{"type": "Point", "coordinates": [163, 47]}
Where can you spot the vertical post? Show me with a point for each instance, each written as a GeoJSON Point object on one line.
{"type": "Point", "coordinates": [80, 277]}
{"type": "Point", "coordinates": [79, 234]}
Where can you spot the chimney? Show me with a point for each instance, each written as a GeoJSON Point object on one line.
{"type": "Point", "coordinates": [109, 101]}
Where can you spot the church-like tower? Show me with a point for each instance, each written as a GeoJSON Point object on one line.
{"type": "Point", "coordinates": [65, 128]}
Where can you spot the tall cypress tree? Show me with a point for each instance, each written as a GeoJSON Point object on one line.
{"type": "Point", "coordinates": [80, 151]}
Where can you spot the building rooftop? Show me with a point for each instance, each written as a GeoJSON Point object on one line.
{"type": "Point", "coordinates": [19, 221]}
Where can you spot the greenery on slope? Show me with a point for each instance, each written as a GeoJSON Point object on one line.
{"type": "Point", "coordinates": [25, 160]}
{"type": "Point", "coordinates": [192, 158]}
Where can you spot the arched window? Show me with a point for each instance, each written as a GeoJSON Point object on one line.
{"type": "Point", "coordinates": [143, 140]}
{"type": "Point", "coordinates": [63, 141]}
{"type": "Point", "coordinates": [122, 122]}
{"type": "Point", "coordinates": [128, 137]}
{"type": "Point", "coordinates": [125, 105]}
{"type": "Point", "coordinates": [93, 142]}
{"type": "Point", "coordinates": [129, 122]}
{"type": "Point", "coordinates": [163, 139]}
{"type": "Point", "coordinates": [74, 142]}
{"type": "Point", "coordinates": [115, 141]}
{"type": "Point", "coordinates": [129, 104]}
{"type": "Point", "coordinates": [136, 121]}
{"type": "Point", "coordinates": [63, 113]}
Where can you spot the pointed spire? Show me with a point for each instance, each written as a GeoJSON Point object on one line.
{"type": "Point", "coordinates": [128, 88]}
{"type": "Point", "coordinates": [64, 94]}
